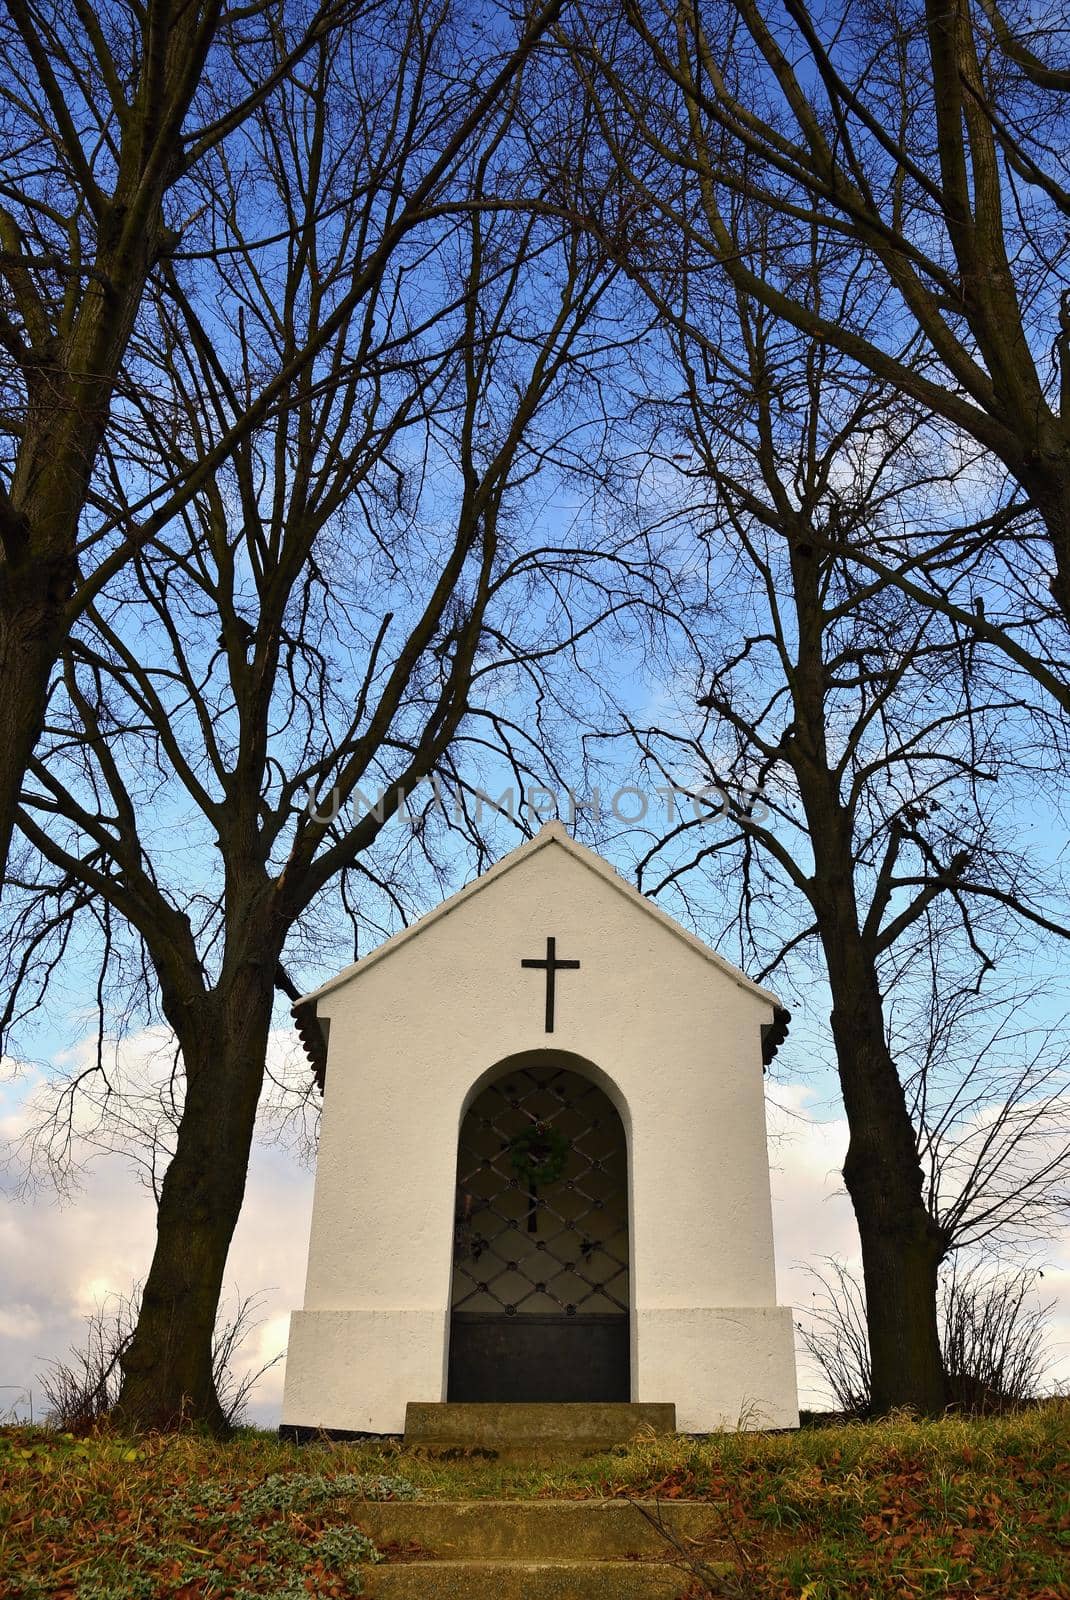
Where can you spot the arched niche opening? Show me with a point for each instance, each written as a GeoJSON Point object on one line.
{"type": "Point", "coordinates": [540, 1296]}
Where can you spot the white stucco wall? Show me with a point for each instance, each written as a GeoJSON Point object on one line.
{"type": "Point", "coordinates": [672, 1036]}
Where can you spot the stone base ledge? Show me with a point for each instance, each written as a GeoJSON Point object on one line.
{"type": "Point", "coordinates": [728, 1368]}
{"type": "Point", "coordinates": [354, 1372]}
{"type": "Point", "coordinates": [725, 1367]}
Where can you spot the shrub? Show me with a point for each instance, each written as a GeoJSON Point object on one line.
{"type": "Point", "coordinates": [81, 1391]}
{"type": "Point", "coordinates": [991, 1334]}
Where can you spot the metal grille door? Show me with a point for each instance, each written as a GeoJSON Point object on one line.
{"type": "Point", "coordinates": [540, 1271]}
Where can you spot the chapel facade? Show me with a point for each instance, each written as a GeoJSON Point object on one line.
{"type": "Point", "coordinates": [542, 1172]}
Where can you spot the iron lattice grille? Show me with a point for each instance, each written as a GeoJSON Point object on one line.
{"type": "Point", "coordinates": [560, 1246]}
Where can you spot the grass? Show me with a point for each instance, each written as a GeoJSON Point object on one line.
{"type": "Point", "coordinates": [977, 1508]}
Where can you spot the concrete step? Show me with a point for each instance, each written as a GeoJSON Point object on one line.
{"type": "Point", "coordinates": [491, 1426]}
{"type": "Point", "coordinates": [526, 1580]}
{"type": "Point", "coordinates": [450, 1530]}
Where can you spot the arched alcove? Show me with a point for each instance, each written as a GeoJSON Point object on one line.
{"type": "Point", "coordinates": [540, 1299]}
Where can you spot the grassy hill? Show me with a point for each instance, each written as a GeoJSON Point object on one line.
{"type": "Point", "coordinates": [977, 1508]}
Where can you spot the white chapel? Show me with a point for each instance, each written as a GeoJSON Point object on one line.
{"type": "Point", "coordinates": [542, 1172]}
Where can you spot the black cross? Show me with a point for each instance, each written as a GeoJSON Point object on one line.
{"type": "Point", "coordinates": [553, 966]}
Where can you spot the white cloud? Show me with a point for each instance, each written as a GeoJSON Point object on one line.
{"type": "Point", "coordinates": [60, 1258]}
{"type": "Point", "coordinates": [59, 1261]}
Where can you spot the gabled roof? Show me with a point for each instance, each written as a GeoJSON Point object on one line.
{"type": "Point", "coordinates": [551, 835]}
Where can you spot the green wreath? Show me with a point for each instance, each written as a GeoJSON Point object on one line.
{"type": "Point", "coordinates": [538, 1154]}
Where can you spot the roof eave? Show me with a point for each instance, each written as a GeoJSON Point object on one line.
{"type": "Point", "coordinates": [774, 1033]}
{"type": "Point", "coordinates": [310, 1031]}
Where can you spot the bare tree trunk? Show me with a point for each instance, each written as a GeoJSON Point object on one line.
{"type": "Point", "coordinates": [70, 376]}
{"type": "Point", "coordinates": [69, 350]}
{"type": "Point", "coordinates": [1048, 483]}
{"type": "Point", "coordinates": [902, 1245]}
{"type": "Point", "coordinates": [32, 630]}
{"type": "Point", "coordinates": [39, 516]}
{"type": "Point", "coordinates": [167, 1369]}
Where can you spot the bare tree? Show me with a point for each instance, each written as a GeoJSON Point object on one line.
{"type": "Point", "coordinates": [109, 116]}
{"type": "Point", "coordinates": [925, 147]}
{"type": "Point", "coordinates": [345, 598]}
{"type": "Point", "coordinates": [853, 428]}
{"type": "Point", "coordinates": [879, 736]}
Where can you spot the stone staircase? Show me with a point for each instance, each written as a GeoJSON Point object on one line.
{"type": "Point", "coordinates": [537, 1549]}
{"type": "Point", "coordinates": [585, 1428]}
{"type": "Point", "coordinates": [496, 1549]}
